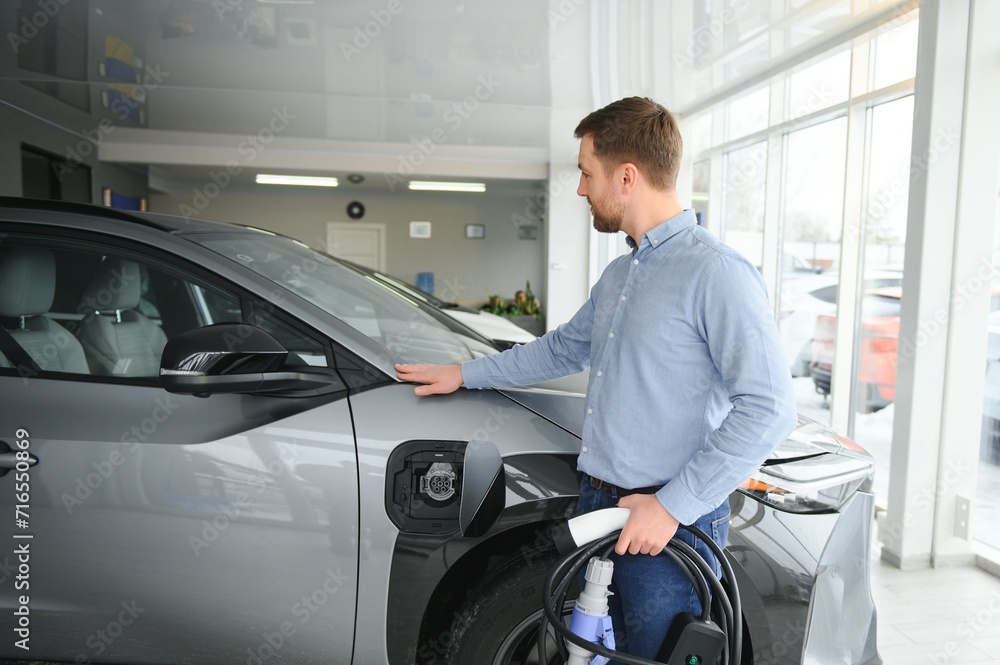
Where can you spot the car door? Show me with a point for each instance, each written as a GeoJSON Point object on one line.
{"type": "Point", "coordinates": [144, 526]}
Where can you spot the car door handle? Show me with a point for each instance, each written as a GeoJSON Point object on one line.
{"type": "Point", "coordinates": [8, 460]}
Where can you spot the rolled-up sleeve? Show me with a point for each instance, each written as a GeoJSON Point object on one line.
{"type": "Point", "coordinates": [560, 352]}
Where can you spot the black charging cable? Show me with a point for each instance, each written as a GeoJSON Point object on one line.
{"type": "Point", "coordinates": [719, 599]}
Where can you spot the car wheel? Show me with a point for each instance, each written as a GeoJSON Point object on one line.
{"type": "Point", "coordinates": [499, 624]}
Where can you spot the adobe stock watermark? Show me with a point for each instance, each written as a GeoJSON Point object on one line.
{"type": "Point", "coordinates": [455, 116]}
{"type": "Point", "coordinates": [34, 22]}
{"type": "Point", "coordinates": [970, 628]}
{"type": "Point", "coordinates": [303, 610]}
{"type": "Point", "coordinates": [563, 11]}
{"type": "Point", "coordinates": [364, 35]}
{"type": "Point", "coordinates": [213, 529]}
{"type": "Point", "coordinates": [100, 640]}
{"type": "Point", "coordinates": [749, 170]}
{"type": "Point", "coordinates": [248, 149]}
{"type": "Point", "coordinates": [495, 420]}
{"type": "Point", "coordinates": [790, 640]}
{"type": "Point", "coordinates": [139, 432]}
{"type": "Point", "coordinates": [59, 339]}
{"type": "Point", "coordinates": [121, 107]}
{"type": "Point", "coordinates": [928, 328]}
{"type": "Point", "coordinates": [435, 650]}
{"type": "Point", "coordinates": [702, 39]}
{"type": "Point", "coordinates": [396, 349]}
{"type": "Point", "coordinates": [535, 205]}
{"type": "Point", "coordinates": [878, 205]}
{"type": "Point", "coordinates": [924, 500]}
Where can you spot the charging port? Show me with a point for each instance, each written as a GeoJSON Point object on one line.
{"type": "Point", "coordinates": [439, 482]}
{"type": "Point", "coordinates": [424, 484]}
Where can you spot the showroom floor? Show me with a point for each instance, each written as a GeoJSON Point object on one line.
{"type": "Point", "coordinates": [936, 617]}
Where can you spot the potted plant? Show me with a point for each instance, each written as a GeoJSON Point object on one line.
{"type": "Point", "coordinates": [524, 311]}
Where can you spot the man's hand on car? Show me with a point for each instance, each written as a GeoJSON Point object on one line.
{"type": "Point", "coordinates": [437, 379]}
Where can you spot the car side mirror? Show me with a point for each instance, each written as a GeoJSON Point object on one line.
{"type": "Point", "coordinates": [233, 358]}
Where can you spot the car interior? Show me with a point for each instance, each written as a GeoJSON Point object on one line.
{"type": "Point", "coordinates": [85, 312]}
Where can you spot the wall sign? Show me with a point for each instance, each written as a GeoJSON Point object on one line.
{"type": "Point", "coordinates": [420, 229]}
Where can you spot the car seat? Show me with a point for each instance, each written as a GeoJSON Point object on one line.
{"type": "Point", "coordinates": [27, 288]}
{"type": "Point", "coordinates": [117, 339]}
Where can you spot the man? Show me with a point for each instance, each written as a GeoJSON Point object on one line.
{"type": "Point", "coordinates": [689, 388]}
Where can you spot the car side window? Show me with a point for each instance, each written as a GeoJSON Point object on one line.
{"type": "Point", "coordinates": [86, 309]}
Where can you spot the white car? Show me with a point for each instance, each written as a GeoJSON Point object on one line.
{"type": "Point", "coordinates": [501, 331]}
{"type": "Point", "coordinates": [805, 296]}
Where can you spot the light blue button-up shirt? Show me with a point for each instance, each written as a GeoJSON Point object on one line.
{"type": "Point", "coordinates": [689, 386]}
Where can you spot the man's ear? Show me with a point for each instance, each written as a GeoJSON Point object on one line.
{"type": "Point", "coordinates": [628, 177]}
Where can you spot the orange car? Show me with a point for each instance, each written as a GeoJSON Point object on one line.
{"type": "Point", "coordinates": [879, 344]}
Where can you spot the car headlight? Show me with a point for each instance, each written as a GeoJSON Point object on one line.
{"type": "Point", "coordinates": [804, 476]}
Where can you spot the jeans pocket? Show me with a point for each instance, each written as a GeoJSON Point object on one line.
{"type": "Point", "coordinates": [719, 532]}
{"type": "Point", "coordinates": [720, 529]}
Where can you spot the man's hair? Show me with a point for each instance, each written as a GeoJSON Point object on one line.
{"type": "Point", "coordinates": [639, 131]}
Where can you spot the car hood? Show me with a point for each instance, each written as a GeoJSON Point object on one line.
{"type": "Point", "coordinates": [491, 326]}
{"type": "Point", "coordinates": [561, 402]}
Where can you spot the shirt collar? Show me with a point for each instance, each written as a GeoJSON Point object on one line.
{"type": "Point", "coordinates": [666, 230]}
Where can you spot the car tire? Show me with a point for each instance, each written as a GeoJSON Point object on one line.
{"type": "Point", "coordinates": [499, 623]}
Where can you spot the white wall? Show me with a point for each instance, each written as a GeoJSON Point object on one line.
{"type": "Point", "coordinates": [463, 269]}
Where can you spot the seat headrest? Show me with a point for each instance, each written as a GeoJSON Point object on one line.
{"type": "Point", "coordinates": [27, 281]}
{"type": "Point", "coordinates": [115, 286]}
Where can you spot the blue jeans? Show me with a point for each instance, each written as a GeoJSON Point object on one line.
{"type": "Point", "coordinates": [649, 591]}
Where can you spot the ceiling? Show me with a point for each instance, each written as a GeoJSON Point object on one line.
{"type": "Point", "coordinates": [446, 88]}
{"type": "Point", "coordinates": [358, 70]}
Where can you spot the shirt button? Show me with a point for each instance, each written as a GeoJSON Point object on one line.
{"type": "Point", "coordinates": [584, 449]}
{"type": "Point", "coordinates": [623, 298]}
{"type": "Point", "coordinates": [635, 262]}
{"type": "Point", "coordinates": [600, 373]}
{"type": "Point", "coordinates": [610, 335]}
{"type": "Point", "coordinates": [589, 411]}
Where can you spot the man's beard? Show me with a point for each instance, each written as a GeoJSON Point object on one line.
{"type": "Point", "coordinates": [608, 218]}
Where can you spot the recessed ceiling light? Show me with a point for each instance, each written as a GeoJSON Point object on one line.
{"type": "Point", "coordinates": [430, 186]}
{"type": "Point", "coordinates": [301, 180]}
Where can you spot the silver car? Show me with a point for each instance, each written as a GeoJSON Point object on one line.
{"type": "Point", "coordinates": [207, 459]}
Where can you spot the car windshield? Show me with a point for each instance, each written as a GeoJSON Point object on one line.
{"type": "Point", "coordinates": [411, 290]}
{"type": "Point", "coordinates": [409, 330]}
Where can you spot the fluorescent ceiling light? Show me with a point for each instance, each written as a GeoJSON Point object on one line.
{"type": "Point", "coordinates": [429, 186]}
{"type": "Point", "coordinates": [302, 180]}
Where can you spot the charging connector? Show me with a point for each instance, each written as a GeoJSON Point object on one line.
{"type": "Point", "coordinates": [590, 618]}
{"type": "Point", "coordinates": [706, 640]}
{"type": "Point", "coordinates": [692, 641]}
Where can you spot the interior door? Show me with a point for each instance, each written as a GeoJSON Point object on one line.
{"type": "Point", "coordinates": [360, 243]}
